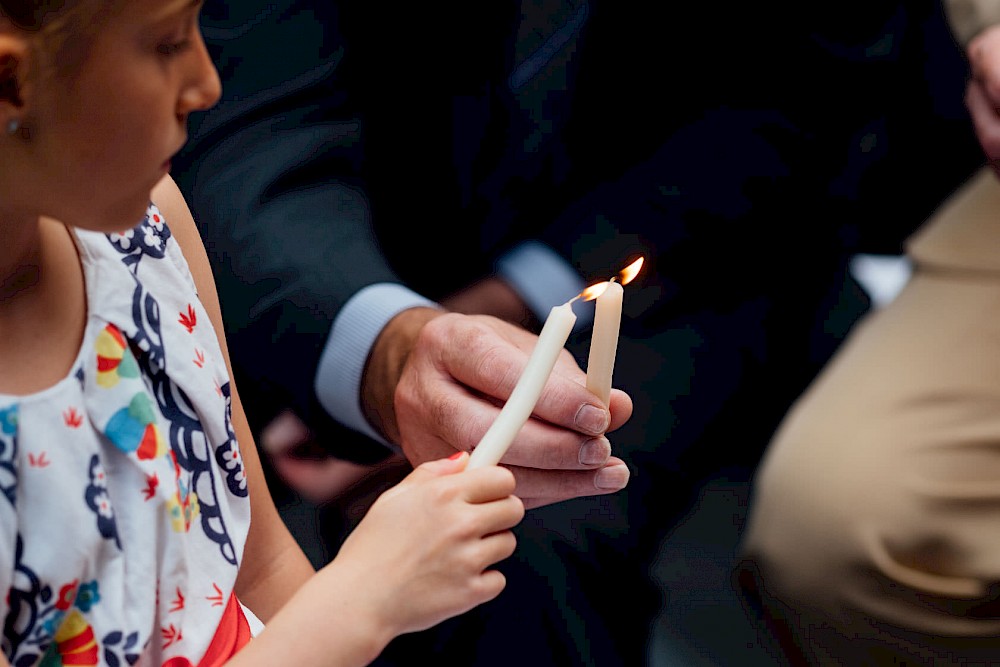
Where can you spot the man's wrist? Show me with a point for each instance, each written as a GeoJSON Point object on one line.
{"type": "Point", "coordinates": [349, 346]}
{"type": "Point", "coordinates": [384, 367]}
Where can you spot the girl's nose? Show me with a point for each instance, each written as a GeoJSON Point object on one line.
{"type": "Point", "coordinates": [204, 87]}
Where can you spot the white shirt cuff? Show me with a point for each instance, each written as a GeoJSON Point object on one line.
{"type": "Point", "coordinates": [357, 325]}
{"type": "Point", "coordinates": [542, 279]}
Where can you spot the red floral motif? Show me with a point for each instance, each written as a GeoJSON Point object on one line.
{"type": "Point", "coordinates": [72, 418]}
{"type": "Point", "coordinates": [199, 358]}
{"type": "Point", "coordinates": [189, 319]}
{"type": "Point", "coordinates": [66, 595]}
{"type": "Point", "coordinates": [152, 481]}
{"type": "Point", "coordinates": [38, 461]}
{"type": "Point", "coordinates": [171, 635]}
{"type": "Point", "coordinates": [178, 602]}
{"type": "Point", "coordinates": [178, 661]}
{"type": "Point", "coordinates": [216, 599]}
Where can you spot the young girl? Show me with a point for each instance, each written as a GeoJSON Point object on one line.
{"type": "Point", "coordinates": [134, 513]}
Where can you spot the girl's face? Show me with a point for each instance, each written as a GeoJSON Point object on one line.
{"type": "Point", "coordinates": [102, 135]}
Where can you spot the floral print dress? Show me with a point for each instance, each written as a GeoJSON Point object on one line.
{"type": "Point", "coordinates": [123, 500]}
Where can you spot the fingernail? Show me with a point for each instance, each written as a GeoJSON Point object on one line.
{"type": "Point", "coordinates": [592, 419]}
{"type": "Point", "coordinates": [595, 452]}
{"type": "Point", "coordinates": [612, 477]}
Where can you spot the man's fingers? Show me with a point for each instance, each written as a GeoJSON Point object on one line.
{"type": "Point", "coordinates": [465, 419]}
{"type": "Point", "coordinates": [492, 365]}
{"type": "Point", "coordinates": [546, 447]}
{"type": "Point", "coordinates": [540, 487]}
{"type": "Point", "coordinates": [621, 409]}
{"type": "Point", "coordinates": [454, 389]}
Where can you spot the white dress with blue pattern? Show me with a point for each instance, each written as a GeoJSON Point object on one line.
{"type": "Point", "coordinates": [123, 500]}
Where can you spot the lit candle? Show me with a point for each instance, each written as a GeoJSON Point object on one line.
{"type": "Point", "coordinates": [604, 342]}
{"type": "Point", "coordinates": [519, 406]}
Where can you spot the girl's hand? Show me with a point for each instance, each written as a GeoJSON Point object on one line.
{"type": "Point", "coordinates": [421, 553]}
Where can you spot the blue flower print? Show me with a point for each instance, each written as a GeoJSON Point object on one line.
{"type": "Point", "coordinates": [151, 238]}
{"type": "Point", "coordinates": [97, 499]}
{"type": "Point", "coordinates": [88, 596]}
{"type": "Point", "coordinates": [123, 240]}
{"type": "Point", "coordinates": [228, 453]}
{"type": "Point", "coordinates": [148, 238]}
{"type": "Point", "coordinates": [8, 420]}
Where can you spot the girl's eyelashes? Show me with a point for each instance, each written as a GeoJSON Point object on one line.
{"type": "Point", "coordinates": [180, 36]}
{"type": "Point", "coordinates": [173, 48]}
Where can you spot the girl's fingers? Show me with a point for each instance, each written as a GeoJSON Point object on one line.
{"type": "Point", "coordinates": [488, 585]}
{"type": "Point", "coordinates": [486, 485]}
{"type": "Point", "coordinates": [497, 547]}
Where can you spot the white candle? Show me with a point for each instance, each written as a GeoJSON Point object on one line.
{"type": "Point", "coordinates": [604, 341]}
{"type": "Point", "coordinates": [521, 403]}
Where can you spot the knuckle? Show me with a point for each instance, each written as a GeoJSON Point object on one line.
{"type": "Point", "coordinates": [518, 511]}
{"type": "Point", "coordinates": [445, 411]}
{"type": "Point", "coordinates": [505, 482]}
{"type": "Point", "coordinates": [405, 398]}
{"type": "Point", "coordinates": [442, 493]}
{"type": "Point", "coordinates": [492, 585]}
{"type": "Point", "coordinates": [505, 477]}
{"type": "Point", "coordinates": [465, 526]}
{"type": "Point", "coordinates": [509, 544]}
{"type": "Point", "coordinates": [569, 484]}
{"type": "Point", "coordinates": [494, 369]}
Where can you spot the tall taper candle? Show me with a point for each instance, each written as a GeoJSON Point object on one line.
{"type": "Point", "coordinates": [604, 341]}
{"type": "Point", "coordinates": [521, 403]}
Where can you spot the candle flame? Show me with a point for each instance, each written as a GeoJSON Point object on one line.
{"type": "Point", "coordinates": [629, 272]}
{"type": "Point", "coordinates": [624, 277]}
{"type": "Point", "coordinates": [593, 291]}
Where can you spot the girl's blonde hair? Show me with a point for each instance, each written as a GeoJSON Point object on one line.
{"type": "Point", "coordinates": [33, 15]}
{"type": "Point", "coordinates": [63, 29]}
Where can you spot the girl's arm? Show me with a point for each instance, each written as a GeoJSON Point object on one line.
{"type": "Point", "coordinates": [419, 556]}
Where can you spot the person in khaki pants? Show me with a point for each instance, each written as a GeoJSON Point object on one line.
{"type": "Point", "coordinates": [874, 531]}
{"type": "Point", "coordinates": [873, 536]}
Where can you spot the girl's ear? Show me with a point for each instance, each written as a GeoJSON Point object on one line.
{"type": "Point", "coordinates": [13, 66]}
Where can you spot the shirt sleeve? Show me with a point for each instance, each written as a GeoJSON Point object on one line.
{"type": "Point", "coordinates": [542, 278]}
{"type": "Point", "coordinates": [357, 325]}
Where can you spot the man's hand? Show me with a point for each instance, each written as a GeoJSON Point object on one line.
{"type": "Point", "coordinates": [982, 95]}
{"type": "Point", "coordinates": [448, 375]}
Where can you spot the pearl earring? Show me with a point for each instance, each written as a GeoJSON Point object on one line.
{"type": "Point", "coordinates": [13, 125]}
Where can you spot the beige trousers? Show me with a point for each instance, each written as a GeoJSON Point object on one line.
{"type": "Point", "coordinates": [874, 526]}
